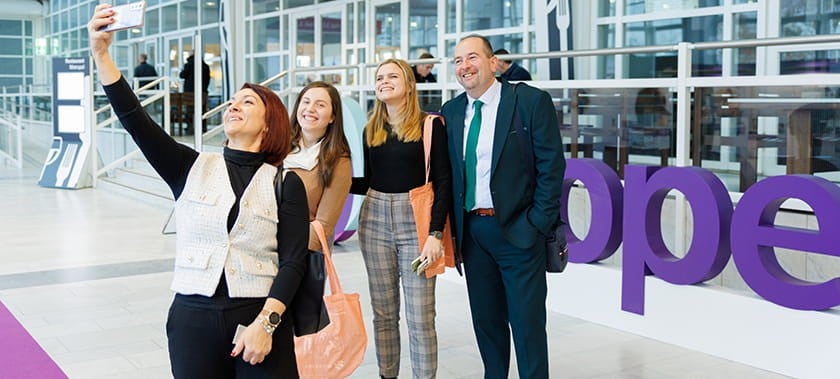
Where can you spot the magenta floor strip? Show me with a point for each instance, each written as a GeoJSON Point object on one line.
{"type": "Point", "coordinates": [22, 357]}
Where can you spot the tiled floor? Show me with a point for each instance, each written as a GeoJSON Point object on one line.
{"type": "Point", "coordinates": [87, 274]}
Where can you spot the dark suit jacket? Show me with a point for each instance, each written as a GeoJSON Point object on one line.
{"type": "Point", "coordinates": [524, 211]}
{"type": "Point", "coordinates": [516, 72]}
{"type": "Point", "coordinates": [189, 80]}
{"type": "Point", "coordinates": [144, 70]}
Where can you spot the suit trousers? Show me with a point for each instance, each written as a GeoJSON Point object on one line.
{"type": "Point", "coordinates": [507, 291]}
{"type": "Point", "coordinates": [200, 340]}
{"type": "Point", "coordinates": [388, 240]}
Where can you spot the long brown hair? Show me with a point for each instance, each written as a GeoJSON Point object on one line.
{"type": "Point", "coordinates": [409, 118]}
{"type": "Point", "coordinates": [275, 143]}
{"type": "Point", "coordinates": [334, 145]}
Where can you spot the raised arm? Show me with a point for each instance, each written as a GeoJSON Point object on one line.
{"type": "Point", "coordinates": [170, 159]}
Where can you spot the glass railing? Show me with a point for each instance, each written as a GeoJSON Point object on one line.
{"type": "Point", "coordinates": [745, 134]}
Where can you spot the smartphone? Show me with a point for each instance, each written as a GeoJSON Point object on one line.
{"type": "Point", "coordinates": [127, 16]}
{"type": "Point", "coordinates": [239, 330]}
{"type": "Point", "coordinates": [423, 266]}
{"type": "Point", "coordinates": [419, 265]}
{"type": "Point", "coordinates": [415, 264]}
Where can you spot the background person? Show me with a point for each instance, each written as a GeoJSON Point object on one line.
{"type": "Point", "coordinates": [144, 70]}
{"type": "Point", "coordinates": [429, 100]}
{"type": "Point", "coordinates": [188, 74]}
{"type": "Point", "coordinates": [320, 155]}
{"type": "Point", "coordinates": [510, 70]}
{"type": "Point", "coordinates": [239, 255]}
{"type": "Point", "coordinates": [500, 218]}
{"type": "Point", "coordinates": [395, 164]}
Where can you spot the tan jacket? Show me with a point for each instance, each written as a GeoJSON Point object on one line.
{"type": "Point", "coordinates": [326, 204]}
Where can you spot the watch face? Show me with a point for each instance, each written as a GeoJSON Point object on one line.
{"type": "Point", "coordinates": [274, 318]}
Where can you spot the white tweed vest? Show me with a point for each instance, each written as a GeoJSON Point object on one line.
{"type": "Point", "coordinates": [203, 247]}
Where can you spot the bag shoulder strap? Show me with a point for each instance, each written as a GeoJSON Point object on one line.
{"type": "Point", "coordinates": [524, 139]}
{"type": "Point", "coordinates": [335, 284]}
{"type": "Point", "coordinates": [278, 184]}
{"type": "Point", "coordinates": [428, 124]}
{"type": "Point", "coordinates": [278, 190]}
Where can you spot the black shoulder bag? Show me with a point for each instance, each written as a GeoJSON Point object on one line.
{"type": "Point", "coordinates": [308, 310]}
{"type": "Point", "coordinates": [556, 249]}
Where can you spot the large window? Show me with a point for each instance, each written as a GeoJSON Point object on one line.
{"type": "Point", "coordinates": [16, 54]}
{"type": "Point", "coordinates": [649, 6]}
{"type": "Point", "coordinates": [487, 14]}
{"type": "Point", "coordinates": [387, 32]}
{"type": "Point", "coordinates": [671, 32]}
{"type": "Point", "coordinates": [422, 27]}
{"type": "Point", "coordinates": [806, 18]}
{"type": "Point", "coordinates": [266, 34]}
{"type": "Point", "coordinates": [648, 24]}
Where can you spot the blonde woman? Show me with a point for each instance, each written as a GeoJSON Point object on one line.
{"type": "Point", "coordinates": [395, 164]}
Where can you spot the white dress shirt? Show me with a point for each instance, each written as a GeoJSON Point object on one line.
{"type": "Point", "coordinates": [484, 150]}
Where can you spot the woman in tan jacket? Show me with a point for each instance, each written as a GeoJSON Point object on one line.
{"type": "Point", "coordinates": [320, 155]}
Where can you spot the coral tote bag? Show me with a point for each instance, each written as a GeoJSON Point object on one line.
{"type": "Point", "coordinates": [338, 349]}
{"type": "Point", "coordinates": [422, 199]}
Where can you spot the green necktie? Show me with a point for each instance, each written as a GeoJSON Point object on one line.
{"type": "Point", "coordinates": [469, 156]}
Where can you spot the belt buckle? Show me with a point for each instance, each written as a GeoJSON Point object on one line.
{"type": "Point", "coordinates": [484, 212]}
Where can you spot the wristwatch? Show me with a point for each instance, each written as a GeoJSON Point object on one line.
{"type": "Point", "coordinates": [269, 320]}
{"type": "Point", "coordinates": [437, 234]}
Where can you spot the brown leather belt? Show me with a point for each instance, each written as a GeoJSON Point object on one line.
{"type": "Point", "coordinates": [483, 212]}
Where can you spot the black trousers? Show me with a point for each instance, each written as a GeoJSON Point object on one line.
{"type": "Point", "coordinates": [507, 291]}
{"type": "Point", "coordinates": [201, 340]}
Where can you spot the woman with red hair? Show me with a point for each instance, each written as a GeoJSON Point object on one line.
{"type": "Point", "coordinates": [239, 255]}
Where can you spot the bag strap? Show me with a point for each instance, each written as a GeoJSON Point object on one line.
{"type": "Point", "coordinates": [428, 124]}
{"type": "Point", "coordinates": [524, 144]}
{"type": "Point", "coordinates": [335, 285]}
{"type": "Point", "coordinates": [278, 190]}
{"type": "Point", "coordinates": [278, 184]}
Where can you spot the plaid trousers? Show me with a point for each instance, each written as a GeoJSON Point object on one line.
{"type": "Point", "coordinates": [388, 240]}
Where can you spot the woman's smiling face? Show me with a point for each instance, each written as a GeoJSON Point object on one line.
{"type": "Point", "coordinates": [390, 84]}
{"type": "Point", "coordinates": [244, 118]}
{"type": "Point", "coordinates": [314, 114]}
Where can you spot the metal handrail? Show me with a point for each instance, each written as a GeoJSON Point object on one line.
{"type": "Point", "coordinates": [141, 89]}
{"type": "Point", "coordinates": [117, 162]}
{"type": "Point", "coordinates": [15, 156]}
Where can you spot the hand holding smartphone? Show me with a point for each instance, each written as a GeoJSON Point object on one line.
{"type": "Point", "coordinates": [127, 16]}
{"type": "Point", "coordinates": [419, 265]}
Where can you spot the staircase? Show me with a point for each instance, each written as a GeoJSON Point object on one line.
{"type": "Point", "coordinates": [138, 177]}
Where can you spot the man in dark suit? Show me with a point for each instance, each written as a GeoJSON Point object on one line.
{"type": "Point", "coordinates": [510, 70]}
{"type": "Point", "coordinates": [501, 217]}
{"type": "Point", "coordinates": [144, 70]}
{"type": "Point", "coordinates": [188, 74]}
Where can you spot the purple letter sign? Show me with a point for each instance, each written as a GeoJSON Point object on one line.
{"type": "Point", "coordinates": [605, 197]}
{"type": "Point", "coordinates": [754, 236]}
{"type": "Point", "coordinates": [645, 190]}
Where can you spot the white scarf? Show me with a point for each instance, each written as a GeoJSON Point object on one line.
{"type": "Point", "coordinates": [305, 157]}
